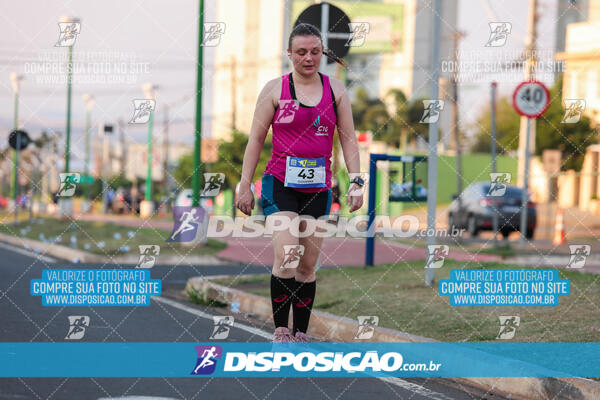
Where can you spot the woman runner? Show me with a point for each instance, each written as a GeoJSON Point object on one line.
{"type": "Point", "coordinates": [303, 107]}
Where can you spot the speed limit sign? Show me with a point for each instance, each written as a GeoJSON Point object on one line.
{"type": "Point", "coordinates": [531, 99]}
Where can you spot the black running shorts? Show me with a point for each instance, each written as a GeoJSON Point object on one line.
{"type": "Point", "coordinates": [276, 197]}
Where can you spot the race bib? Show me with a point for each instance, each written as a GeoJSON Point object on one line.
{"type": "Point", "coordinates": [305, 172]}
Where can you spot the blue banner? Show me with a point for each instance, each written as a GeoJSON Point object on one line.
{"type": "Point", "coordinates": [95, 287]}
{"type": "Point", "coordinates": [224, 359]}
{"type": "Point", "coordinates": [504, 287]}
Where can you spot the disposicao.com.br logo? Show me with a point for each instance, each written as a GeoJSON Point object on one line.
{"type": "Point", "coordinates": [299, 362]}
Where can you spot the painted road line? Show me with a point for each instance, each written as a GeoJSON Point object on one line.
{"type": "Point", "coordinates": [412, 387]}
{"type": "Point", "coordinates": [201, 314]}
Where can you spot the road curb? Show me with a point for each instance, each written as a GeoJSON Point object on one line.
{"type": "Point", "coordinates": [79, 256]}
{"type": "Point", "coordinates": [51, 249]}
{"type": "Point", "coordinates": [341, 329]}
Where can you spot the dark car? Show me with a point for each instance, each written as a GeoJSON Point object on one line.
{"type": "Point", "coordinates": [478, 205]}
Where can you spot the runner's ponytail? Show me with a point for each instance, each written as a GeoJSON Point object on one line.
{"type": "Point", "coordinates": [329, 53]}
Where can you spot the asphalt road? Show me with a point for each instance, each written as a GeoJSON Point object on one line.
{"type": "Point", "coordinates": [168, 319]}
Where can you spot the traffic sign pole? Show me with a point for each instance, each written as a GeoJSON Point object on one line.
{"type": "Point", "coordinates": [16, 183]}
{"type": "Point", "coordinates": [324, 33]}
{"type": "Point", "coordinates": [530, 99]}
{"type": "Point", "coordinates": [525, 187]}
{"type": "Point", "coordinates": [16, 152]}
{"type": "Point", "coordinates": [493, 149]}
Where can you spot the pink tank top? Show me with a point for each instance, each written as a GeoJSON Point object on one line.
{"type": "Point", "coordinates": [301, 131]}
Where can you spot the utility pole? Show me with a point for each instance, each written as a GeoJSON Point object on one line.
{"type": "Point", "coordinates": [455, 131]}
{"type": "Point", "coordinates": [123, 162]}
{"type": "Point", "coordinates": [166, 150]}
{"type": "Point", "coordinates": [233, 95]}
{"type": "Point", "coordinates": [433, 135]}
{"type": "Point", "coordinates": [147, 206]}
{"type": "Point", "coordinates": [89, 103]}
{"type": "Point", "coordinates": [529, 75]}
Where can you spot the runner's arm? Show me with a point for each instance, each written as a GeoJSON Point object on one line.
{"type": "Point", "coordinates": [263, 115]}
{"type": "Point", "coordinates": [345, 125]}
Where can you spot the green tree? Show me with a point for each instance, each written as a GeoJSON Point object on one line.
{"type": "Point", "coordinates": [571, 139]}
{"type": "Point", "coordinates": [397, 129]}
{"type": "Point", "coordinates": [231, 157]}
{"type": "Point", "coordinates": [507, 129]}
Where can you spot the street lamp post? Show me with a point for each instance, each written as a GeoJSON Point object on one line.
{"type": "Point", "coordinates": [198, 116]}
{"type": "Point", "coordinates": [66, 204]}
{"type": "Point", "coordinates": [15, 81]}
{"type": "Point", "coordinates": [89, 103]}
{"type": "Point", "coordinates": [69, 78]}
{"type": "Point", "coordinates": [147, 206]}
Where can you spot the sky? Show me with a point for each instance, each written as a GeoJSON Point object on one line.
{"type": "Point", "coordinates": [124, 44]}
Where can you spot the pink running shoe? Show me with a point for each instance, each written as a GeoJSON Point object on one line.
{"type": "Point", "coordinates": [282, 335]}
{"type": "Point", "coordinates": [301, 337]}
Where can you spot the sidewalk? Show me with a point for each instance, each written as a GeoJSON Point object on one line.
{"type": "Point", "coordinates": [351, 251]}
{"type": "Point", "coordinates": [335, 251]}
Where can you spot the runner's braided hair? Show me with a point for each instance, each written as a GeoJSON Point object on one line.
{"type": "Point", "coordinates": [305, 29]}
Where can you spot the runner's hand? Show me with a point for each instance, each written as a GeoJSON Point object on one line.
{"type": "Point", "coordinates": [355, 201]}
{"type": "Point", "coordinates": [245, 200]}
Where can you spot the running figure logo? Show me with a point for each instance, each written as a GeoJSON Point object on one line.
{"type": "Point", "coordinates": [499, 32]}
{"type": "Point", "coordinates": [436, 254]}
{"type": "Point", "coordinates": [573, 110]}
{"type": "Point", "coordinates": [287, 110]}
{"type": "Point", "coordinates": [212, 183]}
{"type": "Point", "coordinates": [77, 325]}
{"type": "Point", "coordinates": [366, 326]}
{"type": "Point", "coordinates": [207, 359]}
{"type": "Point", "coordinates": [187, 221]}
{"type": "Point", "coordinates": [508, 327]}
{"type": "Point", "coordinates": [358, 31]}
{"type": "Point", "coordinates": [222, 325]}
{"type": "Point", "coordinates": [291, 255]}
{"type": "Point", "coordinates": [579, 254]}
{"type": "Point", "coordinates": [212, 33]}
{"type": "Point", "coordinates": [431, 111]}
{"type": "Point", "coordinates": [148, 254]}
{"type": "Point", "coordinates": [498, 180]}
{"type": "Point", "coordinates": [68, 184]}
{"type": "Point", "coordinates": [141, 110]}
{"type": "Point", "coordinates": [68, 33]}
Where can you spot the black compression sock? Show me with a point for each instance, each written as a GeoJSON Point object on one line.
{"type": "Point", "coordinates": [303, 303]}
{"type": "Point", "coordinates": [281, 299]}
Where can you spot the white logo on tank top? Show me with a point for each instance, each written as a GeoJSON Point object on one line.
{"type": "Point", "coordinates": [322, 130]}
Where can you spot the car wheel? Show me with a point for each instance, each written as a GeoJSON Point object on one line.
{"type": "Point", "coordinates": [472, 226]}
{"type": "Point", "coordinates": [529, 233]}
{"type": "Point", "coordinates": [451, 224]}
